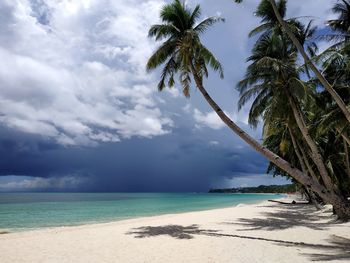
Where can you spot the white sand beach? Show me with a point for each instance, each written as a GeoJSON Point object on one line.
{"type": "Point", "coordinates": [264, 232]}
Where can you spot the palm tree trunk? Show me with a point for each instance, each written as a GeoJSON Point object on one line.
{"type": "Point", "coordinates": [284, 165]}
{"type": "Point", "coordinates": [345, 137]}
{"type": "Point", "coordinates": [342, 208]}
{"type": "Point", "coordinates": [307, 163]}
{"type": "Point", "coordinates": [346, 159]}
{"type": "Point", "coordinates": [316, 155]}
{"type": "Point", "coordinates": [297, 152]}
{"type": "Point", "coordinates": [306, 167]}
{"type": "Point", "coordinates": [312, 174]}
{"type": "Point", "coordinates": [309, 192]}
{"type": "Point", "coordinates": [312, 198]}
{"type": "Point", "coordinates": [309, 62]}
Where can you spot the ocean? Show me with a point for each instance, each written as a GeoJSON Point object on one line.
{"type": "Point", "coordinates": [25, 211]}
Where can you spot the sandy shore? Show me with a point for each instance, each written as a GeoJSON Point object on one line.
{"type": "Point", "coordinates": [264, 232]}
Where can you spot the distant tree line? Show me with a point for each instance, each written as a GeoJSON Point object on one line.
{"type": "Point", "coordinates": [287, 188]}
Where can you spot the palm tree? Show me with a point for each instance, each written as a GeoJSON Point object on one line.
{"type": "Point", "coordinates": [269, 20]}
{"type": "Point", "coordinates": [273, 76]}
{"type": "Point", "coordinates": [183, 54]}
{"type": "Point", "coordinates": [281, 138]}
{"type": "Point", "coordinates": [331, 131]}
{"type": "Point", "coordinates": [307, 59]}
{"type": "Point", "coordinates": [273, 80]}
{"type": "Point", "coordinates": [342, 23]}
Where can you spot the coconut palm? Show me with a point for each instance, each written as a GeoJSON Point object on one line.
{"type": "Point", "coordinates": [272, 79]}
{"type": "Point", "coordinates": [331, 130]}
{"type": "Point", "coordinates": [269, 20]}
{"type": "Point", "coordinates": [273, 76]}
{"type": "Point", "coordinates": [281, 138]}
{"type": "Point", "coordinates": [340, 27]}
{"type": "Point", "coordinates": [308, 61]}
{"type": "Point", "coordinates": [274, 56]}
{"type": "Point", "coordinates": [182, 53]}
{"type": "Point", "coordinates": [342, 23]}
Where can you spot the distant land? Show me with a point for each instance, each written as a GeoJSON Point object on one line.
{"type": "Point", "coordinates": [287, 188]}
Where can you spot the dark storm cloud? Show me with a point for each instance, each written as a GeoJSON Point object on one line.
{"type": "Point", "coordinates": [183, 161]}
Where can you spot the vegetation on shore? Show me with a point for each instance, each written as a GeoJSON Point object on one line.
{"type": "Point", "coordinates": [278, 189]}
{"type": "Point", "coordinates": [299, 95]}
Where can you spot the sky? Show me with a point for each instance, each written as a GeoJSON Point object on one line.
{"type": "Point", "coordinates": [78, 112]}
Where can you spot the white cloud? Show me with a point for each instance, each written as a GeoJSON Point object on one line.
{"type": "Point", "coordinates": [209, 119]}
{"type": "Point", "coordinates": [187, 108]}
{"type": "Point", "coordinates": [318, 10]}
{"type": "Point", "coordinates": [74, 71]}
{"type": "Point", "coordinates": [174, 92]}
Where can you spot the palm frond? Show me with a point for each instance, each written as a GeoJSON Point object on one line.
{"type": "Point", "coordinates": [206, 23]}
{"type": "Point", "coordinates": [260, 29]}
{"type": "Point", "coordinates": [168, 72]}
{"type": "Point", "coordinates": [185, 80]}
{"type": "Point", "coordinates": [195, 15]}
{"type": "Point", "coordinates": [161, 55]}
{"type": "Point", "coordinates": [182, 47]}
{"type": "Point", "coordinates": [211, 60]}
{"type": "Point", "coordinates": [250, 93]}
{"type": "Point", "coordinates": [162, 31]}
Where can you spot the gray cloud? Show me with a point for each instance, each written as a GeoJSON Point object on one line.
{"type": "Point", "coordinates": [74, 71]}
{"type": "Point", "coordinates": [30, 183]}
{"type": "Point", "coordinates": [185, 161]}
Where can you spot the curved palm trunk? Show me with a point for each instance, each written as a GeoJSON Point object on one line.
{"type": "Point", "coordinates": [309, 192]}
{"type": "Point", "coordinates": [316, 155]}
{"type": "Point", "coordinates": [342, 208]}
{"type": "Point", "coordinates": [346, 159]}
{"type": "Point", "coordinates": [296, 173]}
{"type": "Point", "coordinates": [345, 137]}
{"type": "Point", "coordinates": [306, 160]}
{"type": "Point", "coordinates": [312, 174]}
{"type": "Point", "coordinates": [346, 142]}
{"type": "Point", "coordinates": [312, 198]}
{"type": "Point", "coordinates": [297, 152]}
{"type": "Point", "coordinates": [308, 61]}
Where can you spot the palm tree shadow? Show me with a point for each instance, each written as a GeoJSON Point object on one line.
{"type": "Point", "coordinates": [284, 218]}
{"type": "Point", "coordinates": [175, 231]}
{"type": "Point", "coordinates": [338, 248]}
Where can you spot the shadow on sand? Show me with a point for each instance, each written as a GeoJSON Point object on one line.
{"type": "Point", "coordinates": [284, 217]}
{"type": "Point", "coordinates": [337, 247]}
{"type": "Point", "coordinates": [176, 231]}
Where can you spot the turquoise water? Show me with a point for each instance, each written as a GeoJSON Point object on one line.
{"type": "Point", "coordinates": [24, 211]}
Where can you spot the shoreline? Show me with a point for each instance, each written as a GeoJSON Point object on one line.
{"type": "Point", "coordinates": [124, 221]}
{"type": "Point", "coordinates": [5, 231]}
{"type": "Point", "coordinates": [276, 233]}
